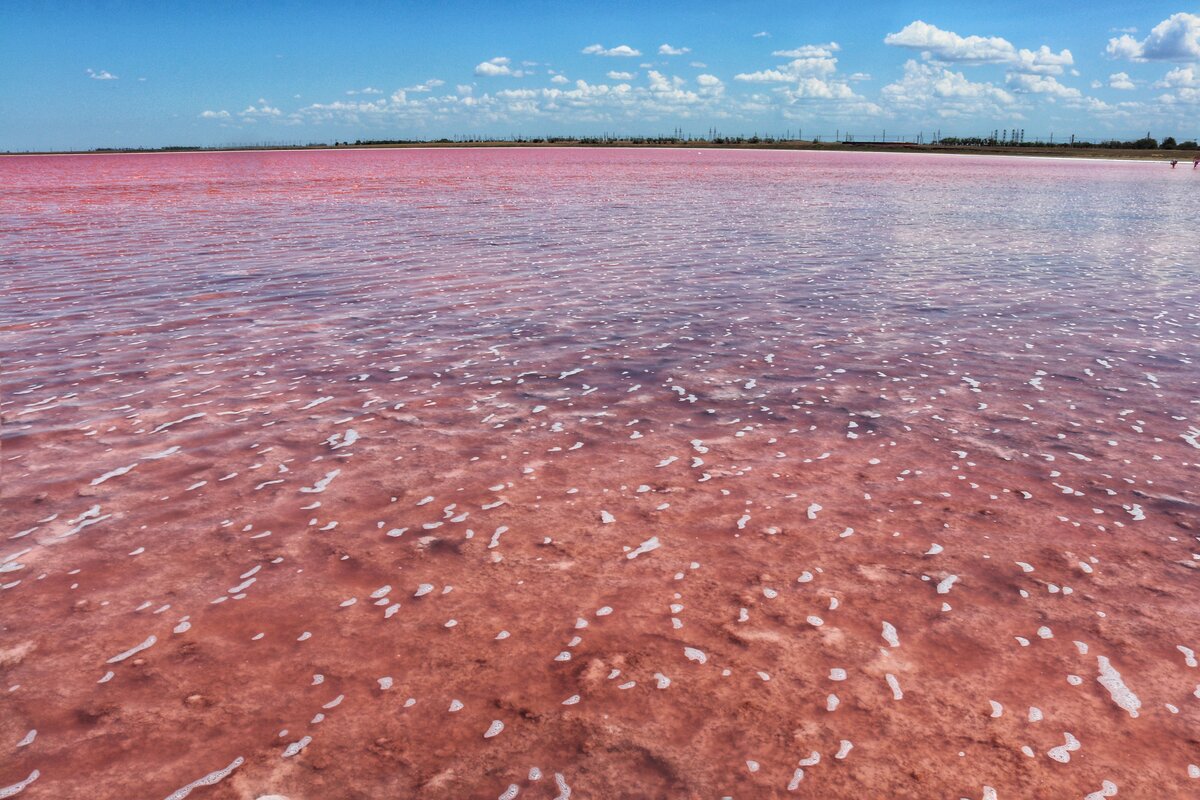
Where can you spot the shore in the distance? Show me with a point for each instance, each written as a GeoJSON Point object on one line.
{"type": "Point", "coordinates": [1059, 151]}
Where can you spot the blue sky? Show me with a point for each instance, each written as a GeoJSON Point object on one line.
{"type": "Point", "coordinates": [96, 74]}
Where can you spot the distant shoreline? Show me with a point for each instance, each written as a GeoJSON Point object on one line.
{"type": "Point", "coordinates": [1123, 154]}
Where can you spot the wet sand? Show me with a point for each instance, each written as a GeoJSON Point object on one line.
{"type": "Point", "coordinates": [682, 474]}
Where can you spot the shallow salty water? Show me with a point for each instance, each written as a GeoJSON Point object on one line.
{"type": "Point", "coordinates": [692, 474]}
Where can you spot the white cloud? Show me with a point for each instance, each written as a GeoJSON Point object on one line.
{"type": "Point", "coordinates": [761, 35]}
{"type": "Point", "coordinates": [667, 50]}
{"type": "Point", "coordinates": [262, 110]}
{"type": "Point", "coordinates": [810, 51]}
{"type": "Point", "coordinates": [938, 45]}
{"type": "Point", "coordinates": [1176, 38]}
{"type": "Point", "coordinates": [949, 46]}
{"type": "Point", "coordinates": [368, 90]}
{"type": "Point", "coordinates": [619, 50]}
{"type": "Point", "coordinates": [1024, 83]}
{"type": "Point", "coordinates": [796, 68]}
{"type": "Point", "coordinates": [425, 86]}
{"type": "Point", "coordinates": [214, 114]}
{"type": "Point", "coordinates": [1043, 60]}
{"type": "Point", "coordinates": [698, 64]}
{"type": "Point", "coordinates": [495, 67]}
{"type": "Point", "coordinates": [1180, 77]}
{"type": "Point", "coordinates": [933, 89]}
{"type": "Point", "coordinates": [708, 80]}
{"type": "Point", "coordinates": [1121, 80]}
{"type": "Point", "coordinates": [102, 75]}
{"type": "Point", "coordinates": [560, 79]}
{"type": "Point", "coordinates": [613, 75]}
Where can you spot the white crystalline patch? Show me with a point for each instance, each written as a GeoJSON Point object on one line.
{"type": "Point", "coordinates": [1107, 789]}
{"type": "Point", "coordinates": [510, 793]}
{"type": "Point", "coordinates": [813, 508]}
{"type": "Point", "coordinates": [944, 586]}
{"type": "Point", "coordinates": [606, 517]}
{"type": "Point", "coordinates": [695, 655]}
{"type": "Point", "coordinates": [494, 729]}
{"type": "Point", "coordinates": [1024, 567]}
{"type": "Point", "coordinates": [295, 747]}
{"type": "Point", "coordinates": [662, 680]}
{"type": "Point", "coordinates": [997, 709]}
{"type": "Point", "coordinates": [16, 788]}
{"type": "Point", "coordinates": [1189, 655]}
{"type": "Point", "coordinates": [752, 765]}
{"type": "Point", "coordinates": [1192, 437]}
{"type": "Point", "coordinates": [455, 705]}
{"type": "Point", "coordinates": [116, 473]}
{"type": "Point", "coordinates": [1135, 511]}
{"type": "Point", "coordinates": [1045, 633]}
{"type": "Point", "coordinates": [813, 759]}
{"type": "Point", "coordinates": [150, 641]}
{"type": "Point", "coordinates": [832, 702]}
{"type": "Point", "coordinates": [1062, 753]}
{"type": "Point", "coordinates": [564, 791]}
{"type": "Point", "coordinates": [188, 418]}
{"type": "Point", "coordinates": [844, 749]}
{"type": "Point", "coordinates": [989, 793]}
{"type": "Point", "coordinates": [1035, 714]}
{"type": "Point", "coordinates": [889, 635]}
{"type": "Point", "coordinates": [837, 674]}
{"type": "Point", "coordinates": [604, 611]}
{"type": "Point", "coordinates": [572, 700]}
{"type": "Point", "coordinates": [319, 486]}
{"type": "Point", "coordinates": [1193, 771]}
{"type": "Point", "coordinates": [645, 547]}
{"type": "Point", "coordinates": [1121, 695]}
{"type": "Point", "coordinates": [894, 685]}
{"type": "Point", "coordinates": [794, 783]}
{"type": "Point", "coordinates": [208, 780]}
{"type": "Point", "coordinates": [28, 740]}
{"type": "Point", "coordinates": [385, 683]}
{"type": "Point", "coordinates": [423, 589]}
{"type": "Point", "coordinates": [316, 403]}
{"type": "Point", "coordinates": [934, 549]}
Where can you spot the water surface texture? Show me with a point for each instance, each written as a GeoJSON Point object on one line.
{"type": "Point", "coordinates": [594, 474]}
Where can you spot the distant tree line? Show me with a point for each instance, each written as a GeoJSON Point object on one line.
{"type": "Point", "coordinates": [1145, 143]}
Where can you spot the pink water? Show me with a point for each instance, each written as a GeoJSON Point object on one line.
{"type": "Point", "coordinates": [887, 457]}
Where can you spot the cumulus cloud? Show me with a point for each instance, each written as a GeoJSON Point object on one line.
{"type": "Point", "coordinates": [1180, 77]}
{"type": "Point", "coordinates": [613, 75]}
{"type": "Point", "coordinates": [498, 66]}
{"type": "Point", "coordinates": [368, 90]}
{"type": "Point", "coordinates": [936, 44]}
{"type": "Point", "coordinates": [818, 61]}
{"type": "Point", "coordinates": [667, 50]}
{"type": "Point", "coordinates": [949, 46]}
{"type": "Point", "coordinates": [761, 35]}
{"type": "Point", "coordinates": [426, 86]}
{"type": "Point", "coordinates": [937, 90]}
{"type": "Point", "coordinates": [1121, 80]}
{"type": "Point", "coordinates": [263, 109]}
{"type": "Point", "coordinates": [214, 114]}
{"type": "Point", "coordinates": [560, 79]}
{"type": "Point", "coordinates": [101, 75]}
{"type": "Point", "coordinates": [708, 80]}
{"type": "Point", "coordinates": [1176, 38]}
{"type": "Point", "coordinates": [809, 51]}
{"type": "Point", "coordinates": [1024, 83]}
{"type": "Point", "coordinates": [619, 50]}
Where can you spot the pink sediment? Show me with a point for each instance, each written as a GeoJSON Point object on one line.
{"type": "Point", "coordinates": [922, 419]}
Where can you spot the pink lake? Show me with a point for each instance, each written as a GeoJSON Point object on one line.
{"type": "Point", "coordinates": [680, 473]}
